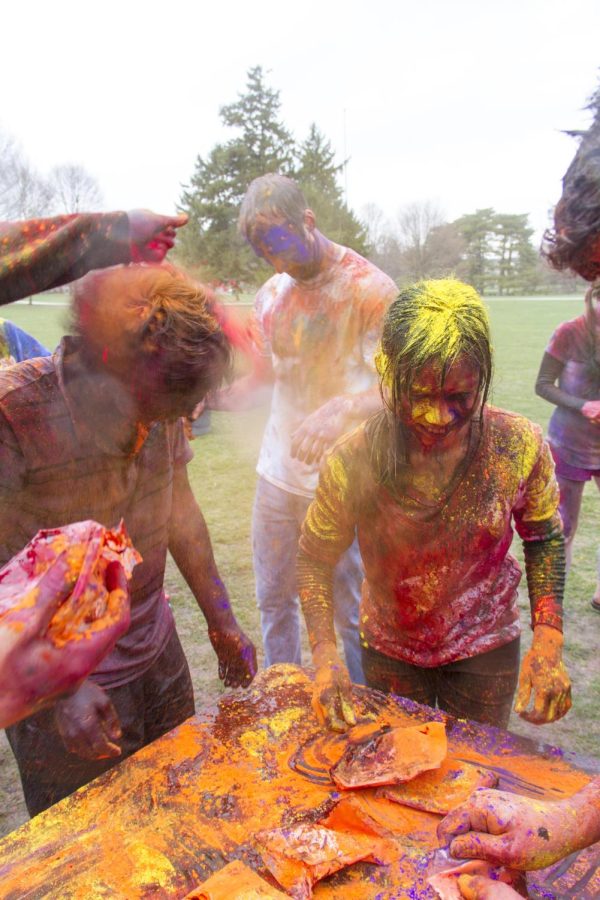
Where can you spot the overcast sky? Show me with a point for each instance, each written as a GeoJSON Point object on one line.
{"type": "Point", "coordinates": [457, 102]}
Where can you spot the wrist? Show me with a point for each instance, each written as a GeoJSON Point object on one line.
{"type": "Point", "coordinates": [548, 637]}
{"type": "Point", "coordinates": [341, 406]}
{"type": "Point", "coordinates": [581, 816]}
{"type": "Point", "coordinates": [325, 652]}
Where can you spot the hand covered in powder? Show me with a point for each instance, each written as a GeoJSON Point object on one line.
{"type": "Point", "coordinates": [33, 670]}
{"type": "Point", "coordinates": [236, 654]}
{"type": "Point", "coordinates": [332, 691]}
{"type": "Point", "coordinates": [152, 236]}
{"type": "Point", "coordinates": [544, 676]}
{"type": "Point", "coordinates": [507, 830]}
{"type": "Point", "coordinates": [88, 723]}
{"type": "Point", "coordinates": [479, 887]}
{"type": "Point", "coordinates": [591, 410]}
{"type": "Point", "coordinates": [319, 431]}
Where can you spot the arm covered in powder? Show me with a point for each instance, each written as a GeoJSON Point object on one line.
{"type": "Point", "coordinates": [546, 387]}
{"type": "Point", "coordinates": [328, 531]}
{"type": "Point", "coordinates": [190, 546]}
{"type": "Point", "coordinates": [42, 254]}
{"type": "Point", "coordinates": [522, 832]}
{"type": "Point", "coordinates": [543, 675]}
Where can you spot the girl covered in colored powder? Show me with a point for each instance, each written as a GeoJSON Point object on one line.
{"type": "Point", "coordinates": [433, 484]}
{"type": "Point", "coordinates": [572, 359]}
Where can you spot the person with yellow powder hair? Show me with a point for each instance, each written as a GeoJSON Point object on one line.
{"type": "Point", "coordinates": [433, 484]}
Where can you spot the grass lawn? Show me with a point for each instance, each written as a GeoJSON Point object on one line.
{"type": "Point", "coordinates": [222, 474]}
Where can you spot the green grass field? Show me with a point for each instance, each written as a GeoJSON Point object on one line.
{"type": "Point", "coordinates": [222, 474]}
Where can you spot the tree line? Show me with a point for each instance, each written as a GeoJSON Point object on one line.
{"type": "Point", "coordinates": [493, 251]}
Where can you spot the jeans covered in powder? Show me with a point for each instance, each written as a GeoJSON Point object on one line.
{"type": "Point", "coordinates": [276, 524]}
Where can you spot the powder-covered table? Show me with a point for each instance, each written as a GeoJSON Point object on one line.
{"type": "Point", "coordinates": [165, 819]}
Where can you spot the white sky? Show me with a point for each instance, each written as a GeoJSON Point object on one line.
{"type": "Point", "coordinates": [457, 102]}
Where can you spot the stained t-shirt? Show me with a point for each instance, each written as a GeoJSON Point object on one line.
{"type": "Point", "coordinates": [59, 465]}
{"type": "Point", "coordinates": [577, 439]}
{"type": "Point", "coordinates": [321, 336]}
{"type": "Point", "coordinates": [440, 584]}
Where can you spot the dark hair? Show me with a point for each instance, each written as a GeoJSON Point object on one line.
{"type": "Point", "coordinates": [439, 320]}
{"type": "Point", "coordinates": [576, 233]}
{"type": "Point", "coordinates": [270, 195]}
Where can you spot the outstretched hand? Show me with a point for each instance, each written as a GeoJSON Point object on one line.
{"type": "Point", "coordinates": [152, 236]}
{"type": "Point", "coordinates": [33, 671]}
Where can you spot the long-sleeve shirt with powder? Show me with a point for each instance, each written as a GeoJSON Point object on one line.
{"type": "Point", "coordinates": [440, 583]}
{"type": "Point", "coordinates": [41, 254]}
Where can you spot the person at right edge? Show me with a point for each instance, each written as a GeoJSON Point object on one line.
{"type": "Point", "coordinates": [503, 829]}
{"type": "Point", "coordinates": [572, 358]}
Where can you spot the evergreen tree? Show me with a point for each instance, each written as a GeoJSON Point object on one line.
{"type": "Point", "coordinates": [212, 199]}
{"type": "Point", "coordinates": [317, 174]}
{"type": "Point", "coordinates": [499, 257]}
{"type": "Point", "coordinates": [514, 258]}
{"type": "Point", "coordinates": [476, 230]}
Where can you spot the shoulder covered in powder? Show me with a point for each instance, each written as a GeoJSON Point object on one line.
{"type": "Point", "coordinates": [348, 461]}
{"type": "Point", "coordinates": [366, 274]}
{"type": "Point", "coordinates": [512, 433]}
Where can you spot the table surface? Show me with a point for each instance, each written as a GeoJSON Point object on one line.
{"type": "Point", "coordinates": [162, 821]}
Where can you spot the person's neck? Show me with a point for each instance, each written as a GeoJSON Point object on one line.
{"type": "Point", "coordinates": [326, 255]}
{"type": "Point", "coordinates": [101, 393]}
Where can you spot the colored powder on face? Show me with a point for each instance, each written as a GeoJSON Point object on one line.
{"type": "Point", "coordinates": [280, 240]}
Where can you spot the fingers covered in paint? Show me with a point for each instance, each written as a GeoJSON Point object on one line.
{"type": "Point", "coordinates": [544, 692]}
{"type": "Point", "coordinates": [332, 692]}
{"type": "Point", "coordinates": [88, 723]}
{"type": "Point", "coordinates": [507, 830]}
{"type": "Point", "coordinates": [479, 887]}
{"type": "Point", "coordinates": [236, 655]}
{"type": "Point", "coordinates": [151, 235]}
